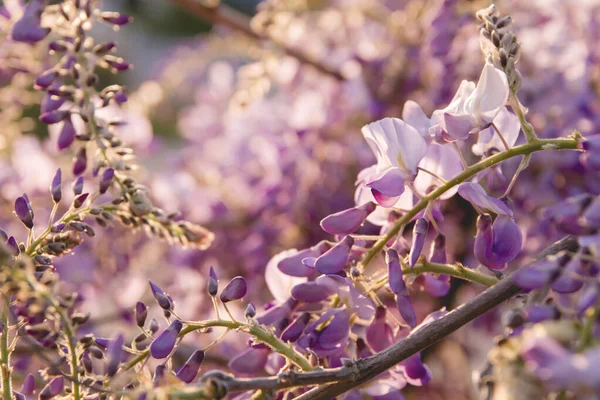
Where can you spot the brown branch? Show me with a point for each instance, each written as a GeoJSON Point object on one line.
{"type": "Point", "coordinates": [230, 17]}
{"type": "Point", "coordinates": [336, 381]}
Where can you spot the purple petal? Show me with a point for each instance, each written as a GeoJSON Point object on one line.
{"type": "Point", "coordinates": [292, 265]}
{"type": "Point", "coordinates": [162, 346]}
{"type": "Point", "coordinates": [379, 334]}
{"type": "Point", "coordinates": [406, 309]}
{"type": "Point", "coordinates": [55, 187]}
{"type": "Point", "coordinates": [347, 221]}
{"type": "Point", "coordinates": [418, 240]}
{"type": "Point", "coordinates": [476, 195]}
{"type": "Point", "coordinates": [250, 362]}
{"type": "Point", "coordinates": [296, 328]}
{"type": "Point", "coordinates": [235, 290]}
{"type": "Point", "coordinates": [52, 389]}
{"type": "Point", "coordinates": [334, 260]}
{"type": "Point", "coordinates": [114, 355]}
{"type": "Point", "coordinates": [28, 29]}
{"type": "Point", "coordinates": [187, 373]}
{"type": "Point", "coordinates": [310, 292]}
{"type": "Point", "coordinates": [395, 280]}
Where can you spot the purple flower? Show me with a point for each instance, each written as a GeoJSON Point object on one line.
{"type": "Point", "coordinates": [537, 275]}
{"type": "Point", "coordinates": [349, 295]}
{"type": "Point", "coordinates": [114, 355]}
{"type": "Point", "coordinates": [415, 371]}
{"type": "Point", "coordinates": [406, 309]}
{"type": "Point", "coordinates": [567, 282]}
{"type": "Point", "coordinates": [588, 298]}
{"type": "Point", "coordinates": [24, 211]}
{"type": "Point", "coordinates": [311, 292]}
{"type": "Point", "coordinates": [296, 328]}
{"type": "Point", "coordinates": [538, 313]}
{"type": "Point", "coordinates": [498, 243]}
{"type": "Point", "coordinates": [56, 187]}
{"type": "Point", "coordinates": [347, 221]}
{"type": "Point", "coordinates": [54, 117]}
{"type": "Point", "coordinates": [115, 18]}
{"type": "Point", "coordinates": [591, 157]}
{"type": "Point", "coordinates": [330, 339]}
{"type": "Point", "coordinates": [28, 29]}
{"type": "Point", "coordinates": [235, 290]}
{"type": "Point", "coordinates": [51, 103]}
{"type": "Point", "coordinates": [67, 134]}
{"type": "Point", "coordinates": [476, 195]}
{"type": "Point", "coordinates": [398, 148]}
{"type": "Point", "coordinates": [107, 178]}
{"type": "Point", "coordinates": [162, 346]}
{"type": "Point", "coordinates": [28, 386]}
{"type": "Point", "coordinates": [418, 240]}
{"type": "Point", "coordinates": [46, 78]}
{"type": "Point", "coordinates": [13, 246]}
{"type": "Point", "coordinates": [379, 334]}
{"type": "Point", "coordinates": [395, 280]}
{"type": "Point", "coordinates": [52, 389]}
{"type": "Point", "coordinates": [213, 282]}
{"type": "Point", "coordinates": [190, 369]}
{"type": "Point", "coordinates": [80, 162]}
{"type": "Point", "coordinates": [290, 261]}
{"type": "Point", "coordinates": [250, 362]}
{"type": "Point", "coordinates": [334, 260]}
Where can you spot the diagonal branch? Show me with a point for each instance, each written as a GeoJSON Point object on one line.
{"type": "Point", "coordinates": [336, 381]}
{"type": "Point", "coordinates": [230, 17]}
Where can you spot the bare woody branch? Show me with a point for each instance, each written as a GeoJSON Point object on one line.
{"type": "Point", "coordinates": [228, 16]}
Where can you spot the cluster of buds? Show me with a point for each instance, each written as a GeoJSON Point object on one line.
{"type": "Point", "coordinates": [500, 43]}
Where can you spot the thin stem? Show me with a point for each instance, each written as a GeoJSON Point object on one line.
{"type": "Point", "coordinates": [229, 312]}
{"type": "Point", "coordinates": [259, 332]}
{"type": "Point", "coordinates": [5, 360]}
{"type": "Point", "coordinates": [522, 165]}
{"type": "Point", "coordinates": [436, 176]}
{"type": "Point", "coordinates": [515, 104]}
{"type": "Point", "coordinates": [501, 136]}
{"type": "Point", "coordinates": [72, 345]}
{"type": "Point", "coordinates": [537, 145]}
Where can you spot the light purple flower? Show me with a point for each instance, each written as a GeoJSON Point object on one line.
{"type": "Point", "coordinates": [476, 195]}
{"type": "Point", "coordinates": [28, 29]}
{"type": "Point", "coordinates": [379, 333]}
{"type": "Point", "coordinates": [290, 261]}
{"type": "Point", "coordinates": [398, 148]}
{"type": "Point", "coordinates": [296, 328]}
{"type": "Point", "coordinates": [498, 243]}
{"type": "Point", "coordinates": [279, 282]}
{"type": "Point", "coordinates": [508, 124]}
{"type": "Point", "coordinates": [251, 361]}
{"type": "Point", "coordinates": [334, 260]}
{"type": "Point", "coordinates": [311, 292]}
{"type": "Point", "coordinates": [347, 221]}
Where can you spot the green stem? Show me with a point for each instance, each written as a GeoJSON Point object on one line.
{"type": "Point", "coordinates": [457, 271]}
{"type": "Point", "coordinates": [528, 148]}
{"type": "Point", "coordinates": [5, 361]}
{"type": "Point", "coordinates": [515, 104]}
{"type": "Point", "coordinates": [253, 329]}
{"type": "Point", "coordinates": [72, 344]}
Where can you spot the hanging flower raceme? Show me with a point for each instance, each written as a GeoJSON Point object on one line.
{"type": "Point", "coordinates": [398, 148]}
{"type": "Point", "coordinates": [497, 241]}
{"type": "Point", "coordinates": [474, 107]}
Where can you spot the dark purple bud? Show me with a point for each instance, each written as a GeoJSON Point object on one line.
{"type": "Point", "coordinates": [311, 292]}
{"type": "Point", "coordinates": [117, 63]}
{"type": "Point", "coordinates": [46, 78]}
{"type": "Point", "coordinates": [56, 187]}
{"type": "Point", "coordinates": [58, 228]}
{"type": "Point", "coordinates": [120, 97]}
{"type": "Point", "coordinates": [115, 18]}
{"type": "Point", "coordinates": [334, 260]}
{"type": "Point", "coordinates": [67, 134]}
{"type": "Point", "coordinates": [162, 346]}
{"type": "Point", "coordinates": [250, 361]}
{"type": "Point", "coordinates": [28, 386]}
{"type": "Point", "coordinates": [114, 355]}
{"type": "Point", "coordinates": [103, 48]}
{"type": "Point", "coordinates": [418, 240]}
{"type": "Point", "coordinates": [235, 289]}
{"type": "Point", "coordinates": [79, 200]}
{"type": "Point", "coordinates": [24, 211]}
{"type": "Point", "coordinates": [52, 389]}
{"type": "Point", "coordinates": [296, 328]}
{"type": "Point", "coordinates": [406, 309]}
{"type": "Point", "coordinates": [80, 162]}
{"type": "Point", "coordinates": [250, 311]}
{"type": "Point", "coordinates": [141, 313]}
{"type": "Point", "coordinates": [51, 103]}
{"type": "Point", "coordinates": [28, 29]}
{"type": "Point", "coordinates": [54, 117]}
{"type": "Point", "coordinates": [379, 334]}
{"type": "Point", "coordinates": [161, 298]}
{"type": "Point", "coordinates": [153, 327]}
{"type": "Point", "coordinates": [395, 280]}
{"type": "Point", "coordinates": [78, 186]}
{"type": "Point", "coordinates": [347, 221]}
{"type": "Point", "coordinates": [498, 243]}
{"type": "Point", "coordinates": [57, 46]}
{"type": "Point", "coordinates": [107, 177]}
{"type": "Point", "coordinates": [190, 369]}
{"type": "Point", "coordinates": [12, 244]}
{"type": "Point", "coordinates": [213, 282]}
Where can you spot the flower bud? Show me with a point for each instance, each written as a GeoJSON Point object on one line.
{"type": "Point", "coordinates": [28, 386]}
{"type": "Point", "coordinates": [80, 162]}
{"type": "Point", "coordinates": [55, 187]}
{"type": "Point", "coordinates": [347, 221]}
{"type": "Point", "coordinates": [235, 289]}
{"type": "Point", "coordinates": [28, 29]}
{"type": "Point", "coordinates": [78, 186]}
{"type": "Point", "coordinates": [293, 332]}
{"type": "Point", "coordinates": [334, 260]}
{"type": "Point", "coordinates": [161, 298]}
{"type": "Point", "coordinates": [418, 240]}
{"type": "Point", "coordinates": [67, 134]}
{"type": "Point", "coordinates": [79, 200]}
{"type": "Point", "coordinates": [395, 280]}
{"type": "Point", "coordinates": [405, 307]}
{"type": "Point", "coordinates": [45, 79]}
{"type": "Point", "coordinates": [107, 177]}
{"type": "Point", "coordinates": [190, 369]}
{"type": "Point", "coordinates": [24, 211]}
{"type": "Point", "coordinates": [162, 346]}
{"type": "Point", "coordinates": [114, 355]}
{"type": "Point", "coordinates": [141, 313]}
{"type": "Point", "coordinates": [54, 117]}
{"type": "Point", "coordinates": [311, 292]}
{"type": "Point", "coordinates": [250, 311]}
{"type": "Point", "coordinates": [213, 282]}
{"type": "Point", "coordinates": [52, 389]}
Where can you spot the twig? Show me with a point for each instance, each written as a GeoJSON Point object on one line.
{"type": "Point", "coordinates": [227, 16]}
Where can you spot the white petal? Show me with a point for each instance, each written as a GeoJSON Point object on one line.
{"type": "Point", "coordinates": [489, 96]}
{"type": "Point", "coordinates": [279, 283]}
{"type": "Point", "coordinates": [442, 160]}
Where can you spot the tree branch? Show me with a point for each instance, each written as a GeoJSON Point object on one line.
{"type": "Point", "coordinates": [339, 380]}
{"type": "Point", "coordinates": [228, 16]}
